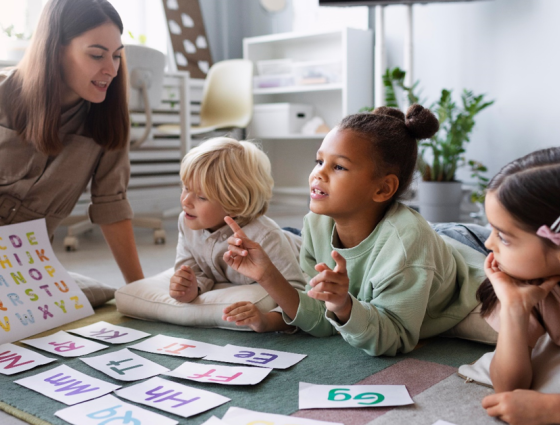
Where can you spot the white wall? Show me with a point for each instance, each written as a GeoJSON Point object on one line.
{"type": "Point", "coordinates": [509, 49]}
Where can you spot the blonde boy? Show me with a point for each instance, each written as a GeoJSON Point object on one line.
{"type": "Point", "coordinates": [224, 177]}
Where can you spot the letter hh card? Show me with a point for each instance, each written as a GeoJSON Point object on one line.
{"type": "Point", "coordinates": [172, 397]}
{"type": "Point", "coordinates": [239, 416]}
{"type": "Point", "coordinates": [343, 396]}
{"type": "Point", "coordinates": [67, 385]}
{"type": "Point", "coordinates": [124, 365]}
{"type": "Point", "coordinates": [262, 357]}
{"type": "Point", "coordinates": [109, 409]}
{"type": "Point", "coordinates": [14, 359]}
{"type": "Point", "coordinates": [226, 375]}
{"type": "Point", "coordinates": [65, 345]}
{"type": "Point", "coordinates": [171, 346]}
{"type": "Point", "coordinates": [112, 334]}
{"type": "Point", "coordinates": [36, 292]}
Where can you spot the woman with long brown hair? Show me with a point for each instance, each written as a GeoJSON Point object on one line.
{"type": "Point", "coordinates": [64, 123]}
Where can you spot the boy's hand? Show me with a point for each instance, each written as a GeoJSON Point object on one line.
{"type": "Point", "coordinates": [331, 286]}
{"type": "Point", "coordinates": [183, 286]}
{"type": "Point", "coordinates": [245, 313]}
{"type": "Point", "coordinates": [522, 407]}
{"type": "Point", "coordinates": [244, 255]}
{"type": "Point", "coordinates": [515, 295]}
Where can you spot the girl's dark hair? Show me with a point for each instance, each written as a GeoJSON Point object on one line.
{"type": "Point", "coordinates": [394, 138]}
{"type": "Point", "coordinates": [529, 189]}
{"type": "Point", "coordinates": [37, 81]}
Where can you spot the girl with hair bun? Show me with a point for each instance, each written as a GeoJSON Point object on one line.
{"type": "Point", "coordinates": [380, 275]}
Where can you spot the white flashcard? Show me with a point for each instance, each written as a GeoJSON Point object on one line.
{"type": "Point", "coordinates": [36, 292]}
{"type": "Point", "coordinates": [108, 409]}
{"type": "Point", "coordinates": [171, 346]}
{"type": "Point", "coordinates": [65, 345]}
{"type": "Point", "coordinates": [261, 357]}
{"type": "Point", "coordinates": [112, 334]}
{"type": "Point", "coordinates": [124, 365]}
{"type": "Point", "coordinates": [313, 396]}
{"type": "Point", "coordinates": [18, 359]}
{"type": "Point", "coordinates": [239, 416]}
{"type": "Point", "coordinates": [172, 397]}
{"type": "Point", "coordinates": [67, 385]}
{"type": "Point", "coordinates": [226, 375]}
{"type": "Point", "coordinates": [440, 422]}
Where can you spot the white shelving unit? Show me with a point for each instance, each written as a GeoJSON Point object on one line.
{"type": "Point", "coordinates": [293, 155]}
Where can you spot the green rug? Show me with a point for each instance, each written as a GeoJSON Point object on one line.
{"type": "Point", "coordinates": [329, 361]}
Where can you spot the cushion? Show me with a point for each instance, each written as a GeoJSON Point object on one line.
{"type": "Point", "coordinates": [149, 299]}
{"type": "Point", "coordinates": [96, 292]}
{"type": "Point", "coordinates": [474, 328]}
{"type": "Point", "coordinates": [545, 359]}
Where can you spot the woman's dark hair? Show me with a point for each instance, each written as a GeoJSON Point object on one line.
{"type": "Point", "coordinates": [394, 138]}
{"type": "Point", "coordinates": [37, 81]}
{"type": "Point", "coordinates": [529, 189]}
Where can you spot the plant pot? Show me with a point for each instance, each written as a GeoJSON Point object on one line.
{"type": "Point", "coordinates": [440, 201]}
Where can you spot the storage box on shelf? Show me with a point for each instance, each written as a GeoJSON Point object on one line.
{"type": "Point", "coordinates": [331, 71]}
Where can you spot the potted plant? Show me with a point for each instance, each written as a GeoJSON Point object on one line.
{"type": "Point", "coordinates": [439, 193]}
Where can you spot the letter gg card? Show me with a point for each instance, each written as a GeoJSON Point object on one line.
{"type": "Point", "coordinates": [171, 346]}
{"type": "Point", "coordinates": [262, 357]}
{"type": "Point", "coordinates": [239, 416]}
{"type": "Point", "coordinates": [226, 375]}
{"type": "Point", "coordinates": [67, 385]}
{"type": "Point", "coordinates": [36, 292]}
{"type": "Point", "coordinates": [112, 334]}
{"type": "Point", "coordinates": [124, 365]}
{"type": "Point", "coordinates": [109, 409]}
{"type": "Point", "coordinates": [172, 397]}
{"type": "Point", "coordinates": [65, 345]}
{"type": "Point", "coordinates": [313, 396]}
{"type": "Point", "coordinates": [14, 359]}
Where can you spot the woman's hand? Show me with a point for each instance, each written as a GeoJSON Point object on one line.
{"type": "Point", "coordinates": [523, 407]}
{"type": "Point", "coordinates": [183, 285]}
{"type": "Point", "coordinates": [515, 295]}
{"type": "Point", "coordinates": [331, 286]}
{"type": "Point", "coordinates": [244, 255]}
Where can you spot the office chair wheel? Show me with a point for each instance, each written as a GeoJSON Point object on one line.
{"type": "Point", "coordinates": [159, 237]}
{"type": "Point", "coordinates": [71, 243]}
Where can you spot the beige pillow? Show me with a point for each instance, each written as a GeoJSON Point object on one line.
{"type": "Point", "coordinates": [474, 328]}
{"type": "Point", "coordinates": [148, 299]}
{"type": "Point", "coordinates": [96, 292]}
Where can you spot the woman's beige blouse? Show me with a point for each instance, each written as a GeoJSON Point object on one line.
{"type": "Point", "coordinates": [34, 185]}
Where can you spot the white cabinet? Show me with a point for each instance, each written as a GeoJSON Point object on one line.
{"type": "Point", "coordinates": [293, 155]}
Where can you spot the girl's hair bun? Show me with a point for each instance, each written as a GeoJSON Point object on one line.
{"type": "Point", "coordinates": [421, 122]}
{"type": "Point", "coordinates": [391, 112]}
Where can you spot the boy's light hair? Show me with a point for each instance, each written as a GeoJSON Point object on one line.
{"type": "Point", "coordinates": [233, 173]}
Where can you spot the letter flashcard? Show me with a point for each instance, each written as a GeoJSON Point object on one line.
{"type": "Point", "coordinates": [239, 416]}
{"type": "Point", "coordinates": [226, 375]}
{"type": "Point", "coordinates": [67, 385]}
{"type": "Point", "coordinates": [124, 365]}
{"type": "Point", "coordinates": [112, 334]}
{"type": "Point", "coordinates": [171, 346]}
{"type": "Point", "coordinates": [172, 397]}
{"type": "Point", "coordinates": [262, 357]}
{"type": "Point", "coordinates": [108, 410]}
{"type": "Point", "coordinates": [344, 396]}
{"type": "Point", "coordinates": [14, 359]}
{"type": "Point", "coordinates": [65, 345]}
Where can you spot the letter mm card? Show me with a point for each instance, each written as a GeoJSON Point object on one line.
{"type": "Point", "coordinates": [313, 396]}
{"type": "Point", "coordinates": [67, 385]}
{"type": "Point", "coordinates": [108, 410]}
{"type": "Point", "coordinates": [172, 397]}
{"type": "Point", "coordinates": [14, 359]}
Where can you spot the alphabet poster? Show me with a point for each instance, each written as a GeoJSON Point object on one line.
{"type": "Point", "coordinates": [109, 409]}
{"type": "Point", "coordinates": [188, 36]}
{"type": "Point", "coordinates": [36, 292]}
{"type": "Point", "coordinates": [344, 396]}
{"type": "Point", "coordinates": [67, 385]}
